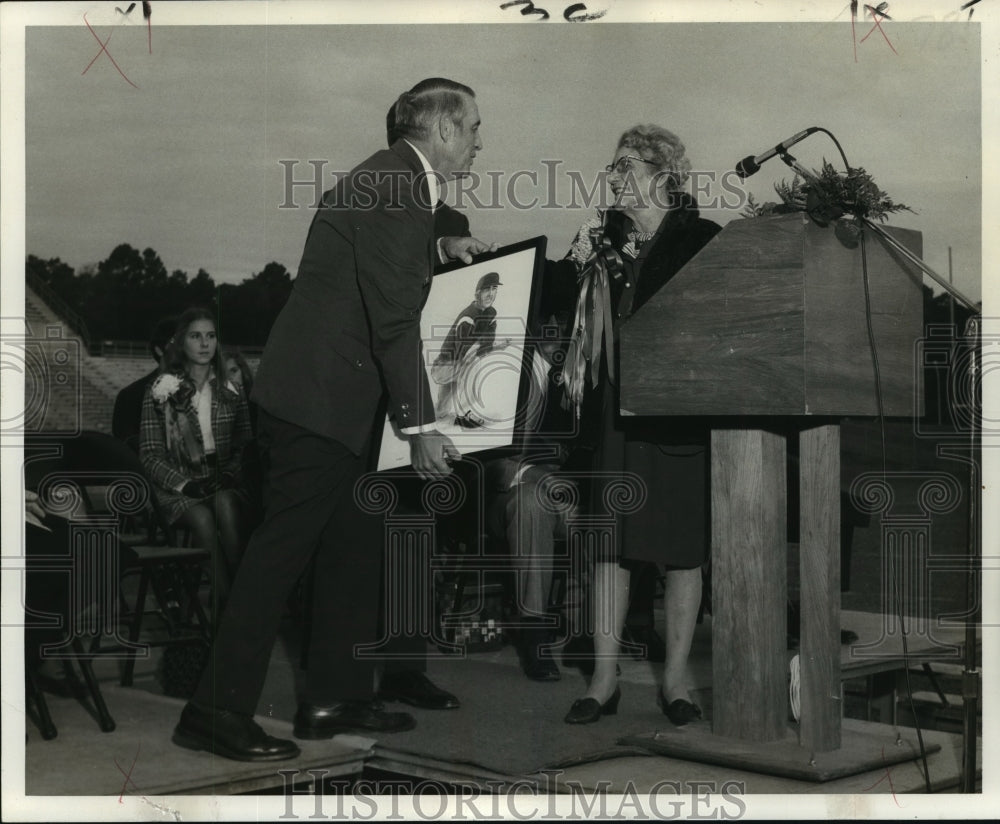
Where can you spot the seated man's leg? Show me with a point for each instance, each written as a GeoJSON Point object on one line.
{"type": "Point", "coordinates": [402, 643]}
{"type": "Point", "coordinates": [533, 520]}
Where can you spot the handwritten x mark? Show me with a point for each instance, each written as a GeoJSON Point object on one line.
{"type": "Point", "coordinates": [887, 776]}
{"type": "Point", "coordinates": [128, 775]}
{"type": "Point", "coordinates": [878, 14]}
{"type": "Point", "coordinates": [104, 50]}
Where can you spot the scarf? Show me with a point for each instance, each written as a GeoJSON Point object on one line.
{"type": "Point", "coordinates": [181, 438]}
{"type": "Point", "coordinates": [592, 323]}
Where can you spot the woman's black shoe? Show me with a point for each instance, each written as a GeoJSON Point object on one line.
{"type": "Point", "coordinates": [680, 712]}
{"type": "Point", "coordinates": [588, 710]}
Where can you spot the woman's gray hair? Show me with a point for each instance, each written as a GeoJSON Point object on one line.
{"type": "Point", "coordinates": [662, 147]}
{"type": "Point", "coordinates": [422, 105]}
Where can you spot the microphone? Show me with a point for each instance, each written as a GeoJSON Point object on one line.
{"type": "Point", "coordinates": [750, 164]}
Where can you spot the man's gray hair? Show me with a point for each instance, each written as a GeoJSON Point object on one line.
{"type": "Point", "coordinates": [422, 105]}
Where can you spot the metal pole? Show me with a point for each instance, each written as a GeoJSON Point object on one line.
{"type": "Point", "coordinates": [970, 674]}
{"type": "Point", "coordinates": [899, 247]}
{"type": "Point", "coordinates": [951, 298]}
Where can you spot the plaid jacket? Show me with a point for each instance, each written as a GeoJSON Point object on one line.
{"type": "Point", "coordinates": [169, 468]}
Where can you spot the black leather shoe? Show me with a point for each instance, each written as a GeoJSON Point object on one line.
{"type": "Point", "coordinates": [536, 661]}
{"type": "Point", "coordinates": [588, 710]}
{"type": "Point", "coordinates": [314, 722]}
{"type": "Point", "coordinates": [416, 689]}
{"type": "Point", "coordinates": [680, 712]}
{"type": "Point", "coordinates": [230, 735]}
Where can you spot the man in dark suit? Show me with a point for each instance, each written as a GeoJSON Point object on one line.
{"type": "Point", "coordinates": [347, 339]}
{"type": "Point", "coordinates": [404, 672]}
{"type": "Point", "coordinates": [127, 414]}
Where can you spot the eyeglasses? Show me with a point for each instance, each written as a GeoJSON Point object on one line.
{"type": "Point", "coordinates": [623, 164]}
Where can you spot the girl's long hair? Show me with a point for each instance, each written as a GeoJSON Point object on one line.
{"type": "Point", "coordinates": [174, 359]}
{"type": "Point", "coordinates": [245, 370]}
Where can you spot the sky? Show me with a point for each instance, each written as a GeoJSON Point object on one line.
{"type": "Point", "coordinates": [190, 163]}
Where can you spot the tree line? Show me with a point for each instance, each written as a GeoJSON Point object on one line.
{"type": "Point", "coordinates": [125, 295]}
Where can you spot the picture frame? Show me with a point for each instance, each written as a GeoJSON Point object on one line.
{"type": "Point", "coordinates": [477, 352]}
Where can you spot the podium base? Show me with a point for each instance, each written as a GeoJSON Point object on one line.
{"type": "Point", "coordinates": [864, 747]}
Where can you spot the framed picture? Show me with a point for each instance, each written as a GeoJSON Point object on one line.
{"type": "Point", "coordinates": [474, 328]}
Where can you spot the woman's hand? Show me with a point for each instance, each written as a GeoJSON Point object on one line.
{"type": "Point", "coordinates": [193, 489]}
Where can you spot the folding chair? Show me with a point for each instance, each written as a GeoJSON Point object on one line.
{"type": "Point", "coordinates": [108, 487]}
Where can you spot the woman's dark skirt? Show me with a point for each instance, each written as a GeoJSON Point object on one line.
{"type": "Point", "coordinates": [652, 475]}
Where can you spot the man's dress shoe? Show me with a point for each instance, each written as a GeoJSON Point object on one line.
{"type": "Point", "coordinates": [230, 735]}
{"type": "Point", "coordinates": [314, 722]}
{"type": "Point", "coordinates": [416, 689]}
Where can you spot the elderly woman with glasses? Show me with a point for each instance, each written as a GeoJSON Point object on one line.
{"type": "Point", "coordinates": [650, 232]}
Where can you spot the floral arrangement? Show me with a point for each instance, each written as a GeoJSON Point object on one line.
{"type": "Point", "coordinates": [582, 248]}
{"type": "Point", "coordinates": [170, 387]}
{"type": "Point", "coordinates": [828, 196]}
{"type": "Point", "coordinates": [165, 386]}
{"type": "Point", "coordinates": [172, 392]}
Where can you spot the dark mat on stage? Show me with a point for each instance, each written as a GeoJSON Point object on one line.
{"type": "Point", "coordinates": [507, 724]}
{"type": "Point", "coordinates": [513, 726]}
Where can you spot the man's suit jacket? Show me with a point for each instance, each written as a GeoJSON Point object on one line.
{"type": "Point", "coordinates": [449, 222]}
{"type": "Point", "coordinates": [350, 331]}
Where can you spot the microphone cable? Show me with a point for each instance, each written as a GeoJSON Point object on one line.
{"type": "Point", "coordinates": [828, 133]}
{"type": "Point", "coordinates": [894, 578]}
{"type": "Point", "coordinates": [880, 414]}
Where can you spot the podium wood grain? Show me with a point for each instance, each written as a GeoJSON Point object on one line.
{"type": "Point", "coordinates": [820, 701]}
{"type": "Point", "coordinates": [748, 584]}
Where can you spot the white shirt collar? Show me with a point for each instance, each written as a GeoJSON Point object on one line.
{"type": "Point", "coordinates": [203, 406]}
{"type": "Point", "coordinates": [433, 185]}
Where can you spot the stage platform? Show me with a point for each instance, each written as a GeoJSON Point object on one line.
{"type": "Point", "coordinates": [508, 730]}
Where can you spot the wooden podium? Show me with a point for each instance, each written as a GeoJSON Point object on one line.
{"type": "Point", "coordinates": [766, 332]}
